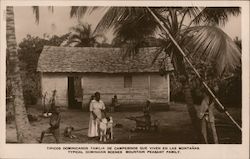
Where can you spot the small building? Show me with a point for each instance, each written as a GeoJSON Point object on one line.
{"type": "Point", "coordinates": [77, 73]}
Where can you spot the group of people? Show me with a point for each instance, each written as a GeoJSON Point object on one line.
{"type": "Point", "coordinates": [97, 112]}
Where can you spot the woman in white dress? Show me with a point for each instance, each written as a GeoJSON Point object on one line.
{"type": "Point", "coordinates": [96, 108]}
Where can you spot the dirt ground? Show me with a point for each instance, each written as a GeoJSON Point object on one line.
{"type": "Point", "coordinates": [174, 127]}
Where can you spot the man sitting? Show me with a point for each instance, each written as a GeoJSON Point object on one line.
{"type": "Point", "coordinates": [54, 126]}
{"type": "Point", "coordinates": [114, 104]}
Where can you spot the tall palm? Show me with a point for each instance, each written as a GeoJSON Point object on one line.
{"type": "Point", "coordinates": [23, 129]}
{"type": "Point", "coordinates": [22, 124]}
{"type": "Point", "coordinates": [82, 36]}
{"type": "Point", "coordinates": [200, 38]}
{"type": "Point", "coordinates": [206, 42]}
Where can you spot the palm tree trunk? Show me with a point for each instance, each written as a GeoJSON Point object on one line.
{"type": "Point", "coordinates": [181, 70]}
{"type": "Point", "coordinates": [186, 88]}
{"type": "Point", "coordinates": [192, 111]}
{"type": "Point", "coordinates": [21, 119]}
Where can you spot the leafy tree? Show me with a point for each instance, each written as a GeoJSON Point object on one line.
{"type": "Point", "coordinates": [29, 51]}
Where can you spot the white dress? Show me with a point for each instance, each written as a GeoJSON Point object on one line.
{"type": "Point", "coordinates": [96, 107]}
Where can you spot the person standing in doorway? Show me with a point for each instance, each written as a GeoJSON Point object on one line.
{"type": "Point", "coordinates": [96, 108]}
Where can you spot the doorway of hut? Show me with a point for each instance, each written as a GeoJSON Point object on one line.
{"type": "Point", "coordinates": [74, 92]}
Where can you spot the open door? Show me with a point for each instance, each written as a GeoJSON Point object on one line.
{"type": "Point", "coordinates": [74, 92]}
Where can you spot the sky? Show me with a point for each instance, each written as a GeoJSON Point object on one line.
{"type": "Point", "coordinates": [59, 22]}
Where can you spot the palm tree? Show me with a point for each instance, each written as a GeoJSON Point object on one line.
{"type": "Point", "coordinates": [82, 36]}
{"type": "Point", "coordinates": [24, 133]}
{"type": "Point", "coordinates": [22, 123]}
{"type": "Point", "coordinates": [200, 39]}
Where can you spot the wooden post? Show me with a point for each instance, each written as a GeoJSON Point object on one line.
{"type": "Point", "coordinates": [41, 82]}
{"type": "Point", "coordinates": [168, 83]}
{"type": "Point", "coordinates": [149, 86]}
{"type": "Point", "coordinates": [40, 101]}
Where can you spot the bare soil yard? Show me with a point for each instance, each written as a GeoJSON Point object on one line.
{"type": "Point", "coordinates": [174, 128]}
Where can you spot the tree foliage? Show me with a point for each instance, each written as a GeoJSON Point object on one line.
{"type": "Point", "coordinates": [82, 35]}
{"type": "Point", "coordinates": [133, 24]}
{"type": "Point", "coordinates": [194, 28]}
{"type": "Point", "coordinates": [29, 51]}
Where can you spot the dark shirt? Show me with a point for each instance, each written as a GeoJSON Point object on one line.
{"type": "Point", "coordinates": [55, 120]}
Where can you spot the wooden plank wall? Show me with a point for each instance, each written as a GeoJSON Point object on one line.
{"type": "Point", "coordinates": [144, 86]}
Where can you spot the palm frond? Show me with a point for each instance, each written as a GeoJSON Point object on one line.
{"type": "Point", "coordinates": [79, 29]}
{"type": "Point", "coordinates": [82, 31]}
{"type": "Point", "coordinates": [82, 35]}
{"type": "Point", "coordinates": [78, 11]}
{"type": "Point", "coordinates": [118, 17]}
{"type": "Point", "coordinates": [74, 35]}
{"type": "Point", "coordinates": [110, 18]}
{"type": "Point", "coordinates": [36, 12]}
{"type": "Point", "coordinates": [100, 36]}
{"type": "Point", "coordinates": [157, 53]}
{"type": "Point", "coordinates": [130, 49]}
{"type": "Point", "coordinates": [92, 9]}
{"type": "Point", "coordinates": [192, 11]}
{"type": "Point", "coordinates": [129, 24]}
{"type": "Point", "coordinates": [211, 43]}
{"type": "Point", "coordinates": [195, 13]}
{"type": "Point", "coordinates": [217, 15]}
{"type": "Point", "coordinates": [51, 9]}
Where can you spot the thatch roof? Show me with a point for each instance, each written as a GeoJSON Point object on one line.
{"type": "Point", "coordinates": [105, 60]}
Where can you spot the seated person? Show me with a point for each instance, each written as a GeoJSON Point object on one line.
{"type": "Point", "coordinates": [147, 108]}
{"type": "Point", "coordinates": [114, 103]}
{"type": "Point", "coordinates": [142, 122]}
{"type": "Point", "coordinates": [54, 126]}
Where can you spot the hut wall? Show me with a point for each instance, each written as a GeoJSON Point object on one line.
{"type": "Point", "coordinates": [144, 86]}
{"type": "Point", "coordinates": [58, 82]}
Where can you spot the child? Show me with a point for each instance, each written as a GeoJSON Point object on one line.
{"type": "Point", "coordinates": [54, 126]}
